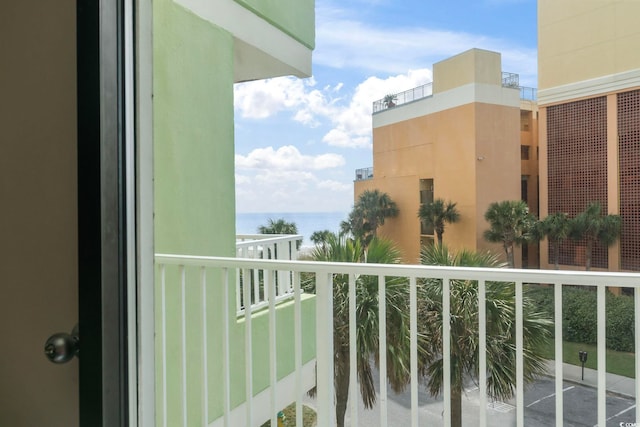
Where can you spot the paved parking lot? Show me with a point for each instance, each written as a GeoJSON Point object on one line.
{"type": "Point", "coordinates": [580, 406]}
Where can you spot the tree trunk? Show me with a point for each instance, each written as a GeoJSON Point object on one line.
{"type": "Point", "coordinates": [456, 406]}
{"type": "Point", "coordinates": [587, 254]}
{"type": "Point", "coordinates": [556, 254]}
{"type": "Point", "coordinates": [341, 383]}
{"type": "Point", "coordinates": [439, 239]}
{"type": "Point", "coordinates": [508, 248]}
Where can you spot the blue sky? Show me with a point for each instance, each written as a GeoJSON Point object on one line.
{"type": "Point", "coordinates": [299, 141]}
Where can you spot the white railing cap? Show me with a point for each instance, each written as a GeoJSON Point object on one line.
{"type": "Point", "coordinates": [566, 277]}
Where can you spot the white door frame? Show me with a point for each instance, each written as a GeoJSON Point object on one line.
{"type": "Point", "coordinates": [139, 81]}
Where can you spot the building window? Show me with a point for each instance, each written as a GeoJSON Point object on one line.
{"type": "Point", "coordinates": [525, 121]}
{"type": "Point", "coordinates": [629, 154]}
{"type": "Point", "coordinates": [524, 188]}
{"type": "Point", "coordinates": [426, 197]}
{"type": "Point", "coordinates": [577, 168]}
{"type": "Point", "coordinates": [524, 152]}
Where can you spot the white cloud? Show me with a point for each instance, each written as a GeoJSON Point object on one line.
{"type": "Point", "coordinates": [242, 179]}
{"type": "Point", "coordinates": [347, 43]}
{"type": "Point", "coordinates": [289, 191]}
{"type": "Point", "coordinates": [352, 123]}
{"type": "Point", "coordinates": [349, 118]}
{"type": "Point", "coordinates": [287, 158]}
{"type": "Point", "coordinates": [263, 98]}
{"type": "Point", "coordinates": [274, 179]}
{"type": "Point", "coordinates": [343, 41]}
{"type": "Point", "coordinates": [335, 186]}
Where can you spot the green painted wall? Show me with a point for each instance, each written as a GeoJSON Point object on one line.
{"type": "Point", "coordinates": [296, 17]}
{"type": "Point", "coordinates": [193, 134]}
{"type": "Point", "coordinates": [195, 215]}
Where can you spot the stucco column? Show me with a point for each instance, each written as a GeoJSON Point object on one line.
{"type": "Point", "coordinates": [613, 175]}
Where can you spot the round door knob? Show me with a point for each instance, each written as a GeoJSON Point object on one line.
{"type": "Point", "coordinates": [61, 347]}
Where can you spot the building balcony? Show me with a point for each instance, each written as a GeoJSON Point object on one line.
{"type": "Point", "coordinates": [282, 247]}
{"type": "Point", "coordinates": [241, 382]}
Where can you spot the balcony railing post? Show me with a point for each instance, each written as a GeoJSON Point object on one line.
{"type": "Point", "coordinates": [446, 350]}
{"type": "Point", "coordinates": [324, 349]}
{"type": "Point", "coordinates": [226, 339]}
{"type": "Point", "coordinates": [297, 324]}
{"type": "Point", "coordinates": [382, 339]}
{"type": "Point", "coordinates": [636, 300]}
{"type": "Point", "coordinates": [519, 356]}
{"type": "Point", "coordinates": [205, 344]}
{"type": "Point", "coordinates": [602, 357]}
{"type": "Point", "coordinates": [413, 322]}
{"type": "Point", "coordinates": [183, 344]}
{"type": "Point", "coordinates": [269, 278]}
{"type": "Point", "coordinates": [353, 359]}
{"type": "Point", "coordinates": [558, 351]}
{"type": "Point", "coordinates": [163, 307]}
{"type": "Point", "coordinates": [482, 351]}
{"type": "Point", "coordinates": [248, 351]}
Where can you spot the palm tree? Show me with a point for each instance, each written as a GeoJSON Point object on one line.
{"type": "Point", "coordinates": [320, 238]}
{"type": "Point", "coordinates": [500, 324]}
{"type": "Point", "coordinates": [355, 226]}
{"type": "Point", "coordinates": [369, 212]}
{"type": "Point", "coordinates": [278, 226]}
{"type": "Point", "coordinates": [590, 225]}
{"type": "Point", "coordinates": [556, 228]}
{"type": "Point", "coordinates": [510, 224]}
{"type": "Point", "coordinates": [437, 213]}
{"type": "Point", "coordinates": [341, 249]}
{"type": "Point", "coordinates": [389, 100]}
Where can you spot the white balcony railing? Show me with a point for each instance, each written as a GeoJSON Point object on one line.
{"type": "Point", "coordinates": [324, 272]}
{"type": "Point", "coordinates": [264, 246]}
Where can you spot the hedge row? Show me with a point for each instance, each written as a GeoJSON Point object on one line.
{"type": "Point", "coordinates": [579, 315]}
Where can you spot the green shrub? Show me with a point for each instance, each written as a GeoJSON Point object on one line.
{"type": "Point", "coordinates": [579, 315]}
{"type": "Point", "coordinates": [620, 322]}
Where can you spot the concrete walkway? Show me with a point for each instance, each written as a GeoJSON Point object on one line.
{"type": "Point", "coordinates": [615, 383]}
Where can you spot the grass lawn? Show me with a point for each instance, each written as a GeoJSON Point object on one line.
{"type": "Point", "coordinates": [618, 362]}
{"type": "Point", "coordinates": [308, 417]}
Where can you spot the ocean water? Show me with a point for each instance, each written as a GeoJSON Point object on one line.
{"type": "Point", "coordinates": [307, 222]}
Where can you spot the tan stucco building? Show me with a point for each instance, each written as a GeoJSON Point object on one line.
{"type": "Point", "coordinates": [589, 104]}
{"type": "Point", "coordinates": [462, 139]}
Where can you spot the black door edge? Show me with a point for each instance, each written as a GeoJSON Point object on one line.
{"type": "Point", "coordinates": [101, 214]}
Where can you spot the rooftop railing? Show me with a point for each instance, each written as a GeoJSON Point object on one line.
{"type": "Point", "coordinates": [510, 80]}
{"type": "Point", "coordinates": [410, 95]}
{"type": "Point", "coordinates": [363, 174]}
{"type": "Point", "coordinates": [323, 276]}
{"type": "Point", "coordinates": [528, 93]}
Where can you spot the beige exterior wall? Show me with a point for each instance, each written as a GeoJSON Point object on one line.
{"type": "Point", "coordinates": [543, 196]}
{"type": "Point", "coordinates": [471, 150]}
{"type": "Point", "coordinates": [529, 169]}
{"type": "Point", "coordinates": [613, 173]}
{"type": "Point", "coordinates": [580, 40]}
{"type": "Point", "coordinates": [472, 66]}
